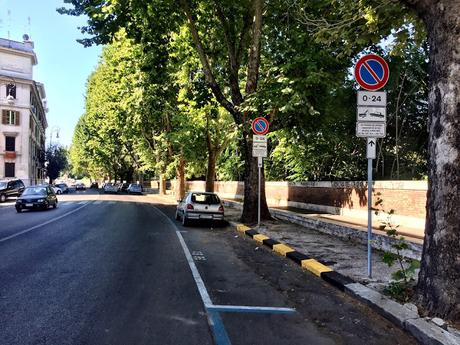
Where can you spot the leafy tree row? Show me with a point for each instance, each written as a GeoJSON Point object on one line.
{"type": "Point", "coordinates": [290, 61]}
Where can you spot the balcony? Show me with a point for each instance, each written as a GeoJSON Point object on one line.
{"type": "Point", "coordinates": [10, 154]}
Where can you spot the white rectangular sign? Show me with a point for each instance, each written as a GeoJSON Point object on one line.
{"type": "Point", "coordinates": [374, 114]}
{"type": "Point", "coordinates": [259, 138]}
{"type": "Point", "coordinates": [259, 152]}
{"type": "Point", "coordinates": [372, 98]}
{"type": "Point", "coordinates": [371, 129]}
{"type": "Point", "coordinates": [371, 148]}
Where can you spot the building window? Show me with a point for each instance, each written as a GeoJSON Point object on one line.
{"type": "Point", "coordinates": [10, 143]}
{"type": "Point", "coordinates": [10, 117]}
{"type": "Point", "coordinates": [11, 90]}
{"type": "Point", "coordinates": [9, 170]}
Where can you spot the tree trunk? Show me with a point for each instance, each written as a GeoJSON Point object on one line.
{"type": "Point", "coordinates": [180, 179]}
{"type": "Point", "coordinates": [162, 185]}
{"type": "Point", "coordinates": [211, 172]}
{"type": "Point", "coordinates": [251, 178]}
{"type": "Point", "coordinates": [438, 286]}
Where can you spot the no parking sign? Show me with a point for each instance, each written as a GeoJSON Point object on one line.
{"type": "Point", "coordinates": [372, 72]}
{"type": "Point", "coordinates": [260, 126]}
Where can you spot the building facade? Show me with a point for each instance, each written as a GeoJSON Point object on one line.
{"type": "Point", "coordinates": [23, 114]}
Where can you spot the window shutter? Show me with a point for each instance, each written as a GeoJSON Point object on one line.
{"type": "Point", "coordinates": [16, 118]}
{"type": "Point", "coordinates": [4, 117]}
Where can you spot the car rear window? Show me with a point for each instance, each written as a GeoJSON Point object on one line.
{"type": "Point", "coordinates": [208, 199]}
{"type": "Point", "coordinates": [35, 191]}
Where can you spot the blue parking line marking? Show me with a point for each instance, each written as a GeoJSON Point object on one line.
{"type": "Point", "coordinates": [218, 328]}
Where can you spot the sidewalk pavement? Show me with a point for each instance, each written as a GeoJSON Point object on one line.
{"type": "Point", "coordinates": [341, 247]}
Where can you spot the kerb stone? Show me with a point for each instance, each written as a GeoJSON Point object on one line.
{"type": "Point", "coordinates": [428, 333]}
{"type": "Point", "coordinates": [391, 310]}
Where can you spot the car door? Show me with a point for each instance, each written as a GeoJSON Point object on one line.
{"type": "Point", "coordinates": [52, 199]}
{"type": "Point", "coordinates": [11, 188]}
{"type": "Point", "coordinates": [20, 187]}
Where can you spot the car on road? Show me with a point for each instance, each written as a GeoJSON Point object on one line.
{"type": "Point", "coordinates": [94, 185]}
{"type": "Point", "coordinates": [36, 197]}
{"type": "Point", "coordinates": [63, 187]}
{"type": "Point", "coordinates": [10, 188]}
{"type": "Point", "coordinates": [134, 188]}
{"type": "Point", "coordinates": [200, 206]}
{"type": "Point", "coordinates": [80, 186]}
{"type": "Point", "coordinates": [110, 188]}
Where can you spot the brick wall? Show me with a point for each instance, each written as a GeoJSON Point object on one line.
{"type": "Point", "coordinates": [407, 198]}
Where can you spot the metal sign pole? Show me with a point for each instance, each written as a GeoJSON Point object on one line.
{"type": "Point", "coordinates": [259, 166]}
{"type": "Point", "coordinates": [369, 217]}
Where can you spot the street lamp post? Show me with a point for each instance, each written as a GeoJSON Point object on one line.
{"type": "Point", "coordinates": [54, 129]}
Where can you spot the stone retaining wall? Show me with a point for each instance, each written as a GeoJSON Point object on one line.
{"type": "Point", "coordinates": [407, 198]}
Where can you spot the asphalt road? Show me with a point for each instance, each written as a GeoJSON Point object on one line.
{"type": "Point", "coordinates": [104, 269]}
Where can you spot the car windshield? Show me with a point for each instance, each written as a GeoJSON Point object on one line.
{"type": "Point", "coordinates": [2, 184]}
{"type": "Point", "coordinates": [208, 199]}
{"type": "Point", "coordinates": [35, 191]}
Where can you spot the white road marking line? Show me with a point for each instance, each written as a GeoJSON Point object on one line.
{"type": "Point", "coordinates": [42, 224]}
{"type": "Point", "coordinates": [212, 311]}
{"type": "Point", "coordinates": [246, 309]}
{"type": "Point", "coordinates": [82, 202]}
{"type": "Point", "coordinates": [196, 275]}
{"type": "Point", "coordinates": [202, 288]}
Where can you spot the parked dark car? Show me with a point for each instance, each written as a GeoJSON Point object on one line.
{"type": "Point", "coordinates": [94, 185]}
{"type": "Point", "coordinates": [124, 187]}
{"type": "Point", "coordinates": [80, 186]}
{"type": "Point", "coordinates": [36, 197]}
{"type": "Point", "coordinates": [10, 188]}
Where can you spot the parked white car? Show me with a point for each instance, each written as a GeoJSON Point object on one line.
{"type": "Point", "coordinates": [110, 188]}
{"type": "Point", "coordinates": [134, 188]}
{"type": "Point", "coordinates": [56, 190]}
{"type": "Point", "coordinates": [200, 206]}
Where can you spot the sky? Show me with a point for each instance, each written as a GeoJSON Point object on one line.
{"type": "Point", "coordinates": [63, 64]}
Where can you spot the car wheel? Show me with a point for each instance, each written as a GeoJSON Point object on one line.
{"type": "Point", "coordinates": [58, 192]}
{"type": "Point", "coordinates": [55, 205]}
{"type": "Point", "coordinates": [45, 206]}
{"type": "Point", "coordinates": [185, 221]}
{"type": "Point", "coordinates": [2, 197]}
{"type": "Point", "coordinates": [18, 210]}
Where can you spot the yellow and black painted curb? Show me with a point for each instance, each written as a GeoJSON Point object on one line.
{"type": "Point", "coordinates": [314, 266]}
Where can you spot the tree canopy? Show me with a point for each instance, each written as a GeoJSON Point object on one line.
{"type": "Point", "coordinates": [182, 80]}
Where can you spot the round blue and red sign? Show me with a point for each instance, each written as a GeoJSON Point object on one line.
{"type": "Point", "coordinates": [260, 126]}
{"type": "Point", "coordinates": [372, 72]}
